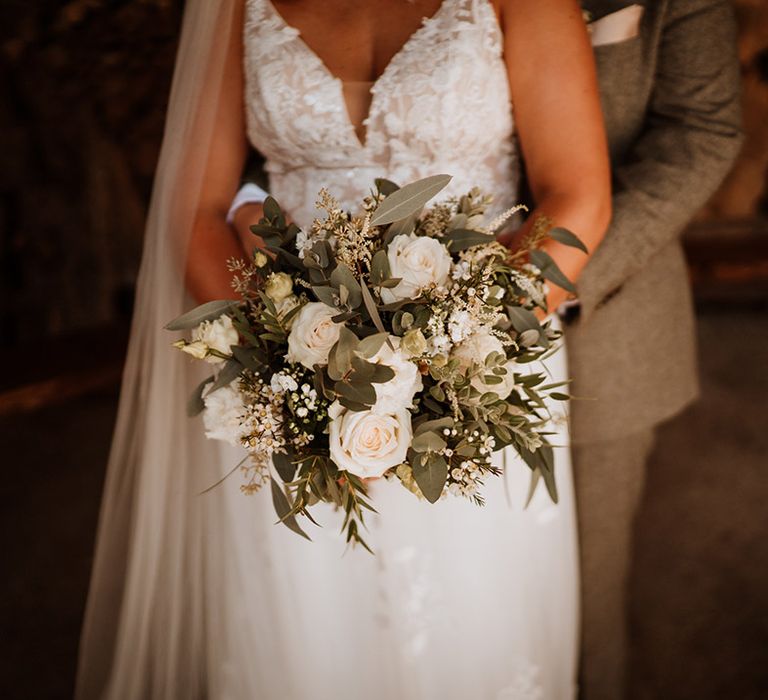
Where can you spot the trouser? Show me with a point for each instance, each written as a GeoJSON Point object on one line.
{"type": "Point", "coordinates": [609, 478]}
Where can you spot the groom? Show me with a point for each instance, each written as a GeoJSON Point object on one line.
{"type": "Point", "coordinates": [669, 81]}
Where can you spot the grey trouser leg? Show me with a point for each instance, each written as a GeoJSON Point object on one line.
{"type": "Point", "coordinates": [609, 478]}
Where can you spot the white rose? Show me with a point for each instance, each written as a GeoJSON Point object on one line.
{"type": "Point", "coordinates": [476, 349]}
{"type": "Point", "coordinates": [419, 261]}
{"type": "Point", "coordinates": [224, 414]}
{"type": "Point", "coordinates": [367, 443]}
{"type": "Point", "coordinates": [278, 286]}
{"type": "Point", "coordinates": [218, 334]}
{"type": "Point", "coordinates": [399, 391]}
{"type": "Point", "coordinates": [313, 334]}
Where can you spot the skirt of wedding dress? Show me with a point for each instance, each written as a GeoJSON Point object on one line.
{"type": "Point", "coordinates": [459, 602]}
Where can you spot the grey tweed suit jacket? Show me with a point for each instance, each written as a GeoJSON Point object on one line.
{"type": "Point", "coordinates": [670, 98]}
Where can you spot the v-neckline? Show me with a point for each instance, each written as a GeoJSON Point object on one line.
{"type": "Point", "coordinates": [361, 144]}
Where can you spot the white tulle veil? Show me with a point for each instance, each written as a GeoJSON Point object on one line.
{"type": "Point", "coordinates": [150, 536]}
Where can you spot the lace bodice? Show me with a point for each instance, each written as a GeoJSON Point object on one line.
{"type": "Point", "coordinates": [441, 106]}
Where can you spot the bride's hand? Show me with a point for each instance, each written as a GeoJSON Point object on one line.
{"type": "Point", "coordinates": [246, 216]}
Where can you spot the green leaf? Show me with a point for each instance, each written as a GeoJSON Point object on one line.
{"type": "Point", "coordinates": [408, 199]}
{"type": "Point", "coordinates": [566, 237]}
{"type": "Point", "coordinates": [205, 312]}
{"type": "Point", "coordinates": [385, 187]}
{"type": "Point", "coordinates": [529, 337]}
{"type": "Point", "coordinates": [438, 424]}
{"type": "Point", "coordinates": [463, 238]}
{"type": "Point", "coordinates": [557, 396]}
{"type": "Point", "coordinates": [342, 277]}
{"type": "Point", "coordinates": [400, 227]}
{"type": "Point", "coordinates": [380, 270]}
{"type": "Point", "coordinates": [290, 258]}
{"type": "Point", "coordinates": [550, 270]}
{"type": "Point", "coordinates": [535, 478]}
{"type": "Point", "coordinates": [249, 357]}
{"type": "Point", "coordinates": [431, 477]}
{"type": "Point", "coordinates": [542, 460]}
{"type": "Point", "coordinates": [228, 374]}
{"type": "Point", "coordinates": [369, 346]}
{"type": "Point", "coordinates": [284, 465]}
{"type": "Point", "coordinates": [271, 208]}
{"type": "Point", "coordinates": [195, 405]}
{"type": "Point", "coordinates": [325, 294]}
{"type": "Point", "coordinates": [522, 319]}
{"type": "Point", "coordinates": [428, 441]}
{"type": "Point", "coordinates": [283, 509]}
{"type": "Point", "coordinates": [370, 307]}
{"type": "Point", "coordinates": [359, 393]}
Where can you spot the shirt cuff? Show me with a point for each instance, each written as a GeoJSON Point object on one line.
{"type": "Point", "coordinates": [249, 193]}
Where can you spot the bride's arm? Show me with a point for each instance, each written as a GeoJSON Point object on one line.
{"type": "Point", "coordinates": [212, 240]}
{"type": "Point", "coordinates": [559, 123]}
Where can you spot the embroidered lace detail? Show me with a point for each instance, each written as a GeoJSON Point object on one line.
{"type": "Point", "coordinates": [526, 685]}
{"type": "Point", "coordinates": [441, 105]}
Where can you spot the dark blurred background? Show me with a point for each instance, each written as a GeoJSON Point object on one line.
{"type": "Point", "coordinates": [83, 87]}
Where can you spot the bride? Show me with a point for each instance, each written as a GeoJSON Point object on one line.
{"type": "Point", "coordinates": [200, 595]}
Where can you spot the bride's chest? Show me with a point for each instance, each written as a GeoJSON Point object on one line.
{"type": "Point", "coordinates": [443, 91]}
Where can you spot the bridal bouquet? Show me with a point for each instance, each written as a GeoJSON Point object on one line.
{"type": "Point", "coordinates": [389, 344]}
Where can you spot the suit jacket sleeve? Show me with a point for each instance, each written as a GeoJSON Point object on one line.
{"type": "Point", "coordinates": [692, 134]}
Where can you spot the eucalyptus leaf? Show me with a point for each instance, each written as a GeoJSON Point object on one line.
{"type": "Point", "coordinates": [284, 465]}
{"type": "Point", "coordinates": [290, 258]}
{"type": "Point", "coordinates": [271, 208]}
{"type": "Point", "coordinates": [385, 187]}
{"type": "Point", "coordinates": [227, 375]}
{"type": "Point", "coordinates": [550, 270]}
{"type": "Point", "coordinates": [566, 237]}
{"type": "Point", "coordinates": [205, 312]}
{"type": "Point", "coordinates": [431, 477]}
{"type": "Point", "coordinates": [342, 277]}
{"type": "Point", "coordinates": [462, 238]}
{"type": "Point", "coordinates": [249, 358]}
{"type": "Point", "coordinates": [283, 509]}
{"type": "Point", "coordinates": [380, 270]}
{"type": "Point", "coordinates": [529, 337]}
{"type": "Point", "coordinates": [370, 307]}
{"type": "Point", "coordinates": [428, 441]}
{"type": "Point", "coordinates": [401, 227]}
{"type": "Point", "coordinates": [362, 394]}
{"type": "Point", "coordinates": [369, 346]}
{"type": "Point", "coordinates": [408, 199]}
{"type": "Point", "coordinates": [327, 295]}
{"type": "Point", "coordinates": [523, 319]}
{"type": "Point", "coordinates": [196, 405]}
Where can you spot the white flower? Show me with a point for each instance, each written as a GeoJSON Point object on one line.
{"type": "Point", "coordinates": [303, 243]}
{"type": "Point", "coordinates": [218, 334]}
{"type": "Point", "coordinates": [420, 262]}
{"type": "Point", "coordinates": [313, 334]}
{"type": "Point", "coordinates": [278, 286]}
{"type": "Point", "coordinates": [282, 382]}
{"type": "Point", "coordinates": [197, 349]}
{"type": "Point", "coordinates": [476, 349]}
{"type": "Point", "coordinates": [224, 414]}
{"type": "Point", "coordinates": [399, 391]}
{"type": "Point", "coordinates": [460, 325]}
{"type": "Point", "coordinates": [367, 443]}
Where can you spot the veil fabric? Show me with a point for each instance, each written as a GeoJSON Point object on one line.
{"type": "Point", "coordinates": [150, 537]}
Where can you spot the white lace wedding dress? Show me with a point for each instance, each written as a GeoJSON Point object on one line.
{"type": "Point", "coordinates": [459, 603]}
